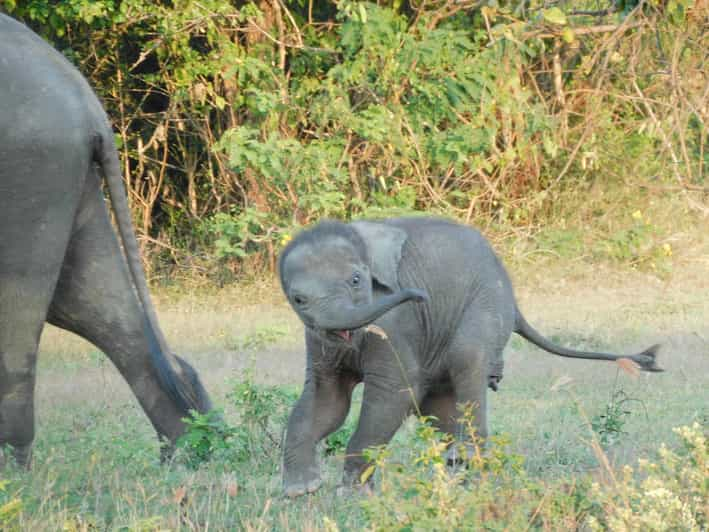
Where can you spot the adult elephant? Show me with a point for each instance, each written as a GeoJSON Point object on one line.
{"type": "Point", "coordinates": [60, 260]}
{"type": "Point", "coordinates": [444, 309]}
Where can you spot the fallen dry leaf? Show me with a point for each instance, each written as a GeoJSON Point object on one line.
{"type": "Point", "coordinates": [627, 365]}
{"type": "Point", "coordinates": [179, 494]}
{"type": "Point", "coordinates": [232, 489]}
{"type": "Point", "coordinates": [561, 382]}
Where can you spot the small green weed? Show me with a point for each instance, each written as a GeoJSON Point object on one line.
{"type": "Point", "coordinates": [420, 492]}
{"type": "Point", "coordinates": [609, 424]}
{"type": "Point", "coordinates": [262, 412]}
{"type": "Point", "coordinates": [263, 337]}
{"type": "Point", "coordinates": [206, 435]}
{"type": "Point", "coordinates": [336, 443]}
{"type": "Point", "coordinates": [566, 243]}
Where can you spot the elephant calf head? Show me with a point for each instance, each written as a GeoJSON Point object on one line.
{"type": "Point", "coordinates": [331, 273]}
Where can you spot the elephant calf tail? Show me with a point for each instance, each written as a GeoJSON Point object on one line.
{"type": "Point", "coordinates": [646, 359]}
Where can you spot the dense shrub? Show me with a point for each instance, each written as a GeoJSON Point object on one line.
{"type": "Point", "coordinates": [239, 121]}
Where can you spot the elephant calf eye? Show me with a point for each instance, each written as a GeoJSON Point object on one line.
{"type": "Point", "coordinates": [299, 300]}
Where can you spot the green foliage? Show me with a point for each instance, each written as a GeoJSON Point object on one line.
{"type": "Point", "coordinates": [259, 339]}
{"type": "Point", "coordinates": [240, 122]}
{"type": "Point", "coordinates": [422, 493]}
{"type": "Point", "coordinates": [263, 411]}
{"type": "Point", "coordinates": [262, 338]}
{"type": "Point", "coordinates": [237, 235]}
{"type": "Point", "coordinates": [10, 508]}
{"type": "Point", "coordinates": [259, 404]}
{"type": "Point", "coordinates": [205, 435]}
{"type": "Point", "coordinates": [492, 491]}
{"type": "Point", "coordinates": [630, 243]}
{"type": "Point", "coordinates": [670, 494]}
{"type": "Point", "coordinates": [566, 243]}
{"type": "Point", "coordinates": [637, 244]}
{"type": "Point", "coordinates": [336, 443]}
{"type": "Point", "coordinates": [609, 425]}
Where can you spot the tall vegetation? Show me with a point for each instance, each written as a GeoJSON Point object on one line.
{"type": "Point", "coordinates": [238, 121]}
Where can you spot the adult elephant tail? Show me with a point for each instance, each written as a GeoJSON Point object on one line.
{"type": "Point", "coordinates": [646, 359]}
{"type": "Point", "coordinates": [175, 376]}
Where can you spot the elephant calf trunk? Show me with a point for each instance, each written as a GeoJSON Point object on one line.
{"type": "Point", "coordinates": [354, 317]}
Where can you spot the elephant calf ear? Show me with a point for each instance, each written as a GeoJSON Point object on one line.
{"type": "Point", "coordinates": [384, 243]}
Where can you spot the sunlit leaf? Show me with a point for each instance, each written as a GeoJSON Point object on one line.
{"type": "Point", "coordinates": [554, 15]}
{"type": "Point", "coordinates": [367, 473]}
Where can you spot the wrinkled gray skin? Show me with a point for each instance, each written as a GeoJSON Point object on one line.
{"type": "Point", "coordinates": [60, 260]}
{"type": "Point", "coordinates": [447, 308]}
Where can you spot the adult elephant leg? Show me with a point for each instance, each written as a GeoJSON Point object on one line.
{"type": "Point", "coordinates": [95, 299]}
{"type": "Point", "coordinates": [321, 409]}
{"type": "Point", "coordinates": [391, 392]}
{"type": "Point", "coordinates": [32, 247]}
{"type": "Point", "coordinates": [23, 306]}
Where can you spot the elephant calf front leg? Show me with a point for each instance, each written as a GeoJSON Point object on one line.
{"type": "Point", "coordinates": [384, 408]}
{"type": "Point", "coordinates": [321, 409]}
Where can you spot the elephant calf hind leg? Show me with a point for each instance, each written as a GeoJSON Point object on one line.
{"type": "Point", "coordinates": [442, 405]}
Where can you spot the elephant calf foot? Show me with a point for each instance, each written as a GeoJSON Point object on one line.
{"type": "Point", "coordinates": [346, 490]}
{"type": "Point", "coordinates": [301, 483]}
{"type": "Point", "coordinates": [460, 454]}
{"type": "Point", "coordinates": [301, 488]}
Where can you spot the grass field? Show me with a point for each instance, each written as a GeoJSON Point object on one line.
{"type": "Point", "coordinates": [96, 459]}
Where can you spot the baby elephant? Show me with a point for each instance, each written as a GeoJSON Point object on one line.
{"type": "Point", "coordinates": [443, 309]}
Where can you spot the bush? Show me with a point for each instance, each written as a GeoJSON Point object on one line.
{"type": "Point", "coordinates": [262, 412]}
{"type": "Point", "coordinates": [240, 122]}
{"type": "Point", "coordinates": [670, 494]}
{"type": "Point", "coordinates": [492, 492]}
